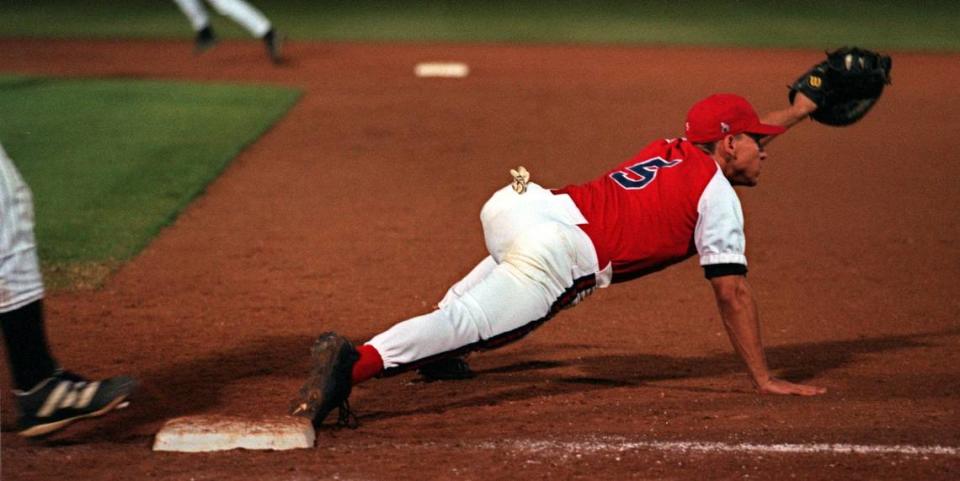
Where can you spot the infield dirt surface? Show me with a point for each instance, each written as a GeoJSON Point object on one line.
{"type": "Point", "coordinates": [361, 207]}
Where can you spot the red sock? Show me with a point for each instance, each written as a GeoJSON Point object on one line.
{"type": "Point", "coordinates": [370, 364]}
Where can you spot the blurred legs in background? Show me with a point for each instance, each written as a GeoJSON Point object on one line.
{"type": "Point", "coordinates": [244, 14]}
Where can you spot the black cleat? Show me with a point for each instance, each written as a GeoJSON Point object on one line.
{"type": "Point", "coordinates": [66, 397]}
{"type": "Point", "coordinates": [273, 41]}
{"type": "Point", "coordinates": [330, 381]}
{"type": "Point", "coordinates": [205, 40]}
{"type": "Point", "coordinates": [447, 369]}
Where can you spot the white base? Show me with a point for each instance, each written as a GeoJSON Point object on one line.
{"type": "Point", "coordinates": [441, 69]}
{"type": "Point", "coordinates": [194, 434]}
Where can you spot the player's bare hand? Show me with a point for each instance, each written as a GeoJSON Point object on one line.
{"type": "Point", "coordinates": [779, 386]}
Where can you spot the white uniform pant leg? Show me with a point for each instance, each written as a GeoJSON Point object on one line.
{"type": "Point", "coordinates": [246, 15]}
{"type": "Point", "coordinates": [20, 279]}
{"type": "Point", "coordinates": [523, 290]}
{"type": "Point", "coordinates": [472, 278]}
{"type": "Point", "coordinates": [196, 14]}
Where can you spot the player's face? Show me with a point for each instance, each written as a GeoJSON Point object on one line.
{"type": "Point", "coordinates": [744, 167]}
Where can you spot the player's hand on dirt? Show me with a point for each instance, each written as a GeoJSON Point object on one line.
{"type": "Point", "coordinates": [779, 386]}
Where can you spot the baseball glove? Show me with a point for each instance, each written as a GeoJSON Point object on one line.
{"type": "Point", "coordinates": [845, 85]}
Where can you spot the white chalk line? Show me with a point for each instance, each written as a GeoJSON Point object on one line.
{"type": "Point", "coordinates": [620, 445]}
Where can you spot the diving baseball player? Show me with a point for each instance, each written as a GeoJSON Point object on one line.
{"type": "Point", "coordinates": [48, 397]}
{"type": "Point", "coordinates": [241, 12]}
{"type": "Point", "coordinates": [549, 249]}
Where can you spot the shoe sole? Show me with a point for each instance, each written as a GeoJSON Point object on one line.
{"type": "Point", "coordinates": [325, 356]}
{"type": "Point", "coordinates": [41, 429]}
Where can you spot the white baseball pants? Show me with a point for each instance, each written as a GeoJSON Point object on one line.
{"type": "Point", "coordinates": [539, 263]}
{"type": "Point", "coordinates": [20, 279]}
{"type": "Point", "coordinates": [244, 14]}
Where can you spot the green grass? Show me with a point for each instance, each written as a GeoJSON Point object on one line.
{"type": "Point", "coordinates": [880, 24]}
{"type": "Point", "coordinates": [111, 162]}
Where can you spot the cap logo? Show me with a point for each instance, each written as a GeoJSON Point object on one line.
{"type": "Point", "coordinates": [724, 127]}
{"type": "Point", "coordinates": [815, 81]}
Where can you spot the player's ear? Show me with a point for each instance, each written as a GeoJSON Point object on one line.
{"type": "Point", "coordinates": [725, 146]}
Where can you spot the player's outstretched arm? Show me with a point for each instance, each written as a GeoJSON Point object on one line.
{"type": "Point", "coordinates": [801, 108]}
{"type": "Point", "coordinates": [739, 313]}
{"type": "Point", "coordinates": [837, 91]}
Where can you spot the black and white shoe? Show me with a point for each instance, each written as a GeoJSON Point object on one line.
{"type": "Point", "coordinates": [66, 397]}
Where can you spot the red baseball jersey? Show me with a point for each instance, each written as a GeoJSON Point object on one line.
{"type": "Point", "coordinates": [665, 204]}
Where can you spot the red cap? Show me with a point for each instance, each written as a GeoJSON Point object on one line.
{"type": "Point", "coordinates": [710, 119]}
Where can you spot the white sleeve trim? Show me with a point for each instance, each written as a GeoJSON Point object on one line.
{"type": "Point", "coordinates": [709, 260]}
{"type": "Point", "coordinates": [719, 233]}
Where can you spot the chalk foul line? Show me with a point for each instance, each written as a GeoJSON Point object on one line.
{"type": "Point", "coordinates": [620, 445]}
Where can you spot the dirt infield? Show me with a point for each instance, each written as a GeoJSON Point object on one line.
{"type": "Point", "coordinates": [361, 206]}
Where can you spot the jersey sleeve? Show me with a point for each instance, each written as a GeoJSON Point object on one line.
{"type": "Point", "coordinates": [719, 236]}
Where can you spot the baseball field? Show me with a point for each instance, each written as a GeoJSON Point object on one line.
{"type": "Point", "coordinates": [204, 217]}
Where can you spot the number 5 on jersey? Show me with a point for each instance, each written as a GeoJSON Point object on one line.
{"type": "Point", "coordinates": [638, 176]}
